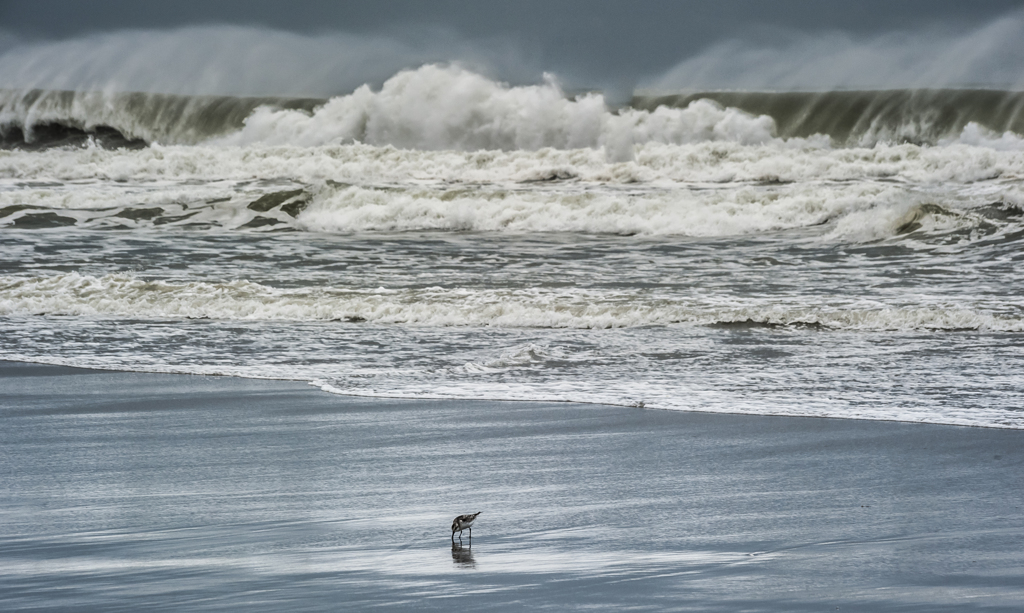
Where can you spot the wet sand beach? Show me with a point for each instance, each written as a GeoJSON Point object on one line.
{"type": "Point", "coordinates": [131, 491]}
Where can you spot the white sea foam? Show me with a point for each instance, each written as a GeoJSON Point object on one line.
{"type": "Point", "coordinates": [702, 189]}
{"type": "Point", "coordinates": [682, 212]}
{"type": "Point", "coordinates": [702, 162]}
{"type": "Point", "coordinates": [125, 295]}
{"type": "Point", "coordinates": [840, 211]}
{"type": "Point", "coordinates": [447, 107]}
{"type": "Point", "coordinates": [980, 136]}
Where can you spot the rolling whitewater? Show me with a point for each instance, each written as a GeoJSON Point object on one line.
{"type": "Point", "coordinates": [850, 254]}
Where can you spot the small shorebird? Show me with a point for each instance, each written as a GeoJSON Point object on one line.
{"type": "Point", "coordinates": [463, 522]}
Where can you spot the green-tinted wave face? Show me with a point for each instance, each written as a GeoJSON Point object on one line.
{"type": "Point", "coordinates": [38, 119]}
{"type": "Point", "coordinates": [449, 108]}
{"type": "Point", "coordinates": [921, 116]}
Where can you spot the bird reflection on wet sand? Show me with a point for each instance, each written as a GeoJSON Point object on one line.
{"type": "Point", "coordinates": [463, 556]}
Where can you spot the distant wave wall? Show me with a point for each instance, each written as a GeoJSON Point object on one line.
{"type": "Point", "coordinates": [920, 116]}
{"type": "Point", "coordinates": [439, 107]}
{"type": "Point", "coordinates": [40, 119]}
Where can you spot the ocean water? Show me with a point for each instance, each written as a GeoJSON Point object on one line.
{"type": "Point", "coordinates": [851, 255]}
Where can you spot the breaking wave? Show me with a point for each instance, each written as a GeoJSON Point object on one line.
{"type": "Point", "coordinates": [737, 191]}
{"type": "Point", "coordinates": [864, 118]}
{"type": "Point", "coordinates": [39, 119]}
{"type": "Point", "coordinates": [438, 107]}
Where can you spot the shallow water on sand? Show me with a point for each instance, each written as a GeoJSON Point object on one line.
{"type": "Point", "coordinates": [127, 491]}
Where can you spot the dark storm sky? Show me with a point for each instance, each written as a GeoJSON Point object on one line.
{"type": "Point", "coordinates": [598, 43]}
{"type": "Point", "coordinates": [598, 38]}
